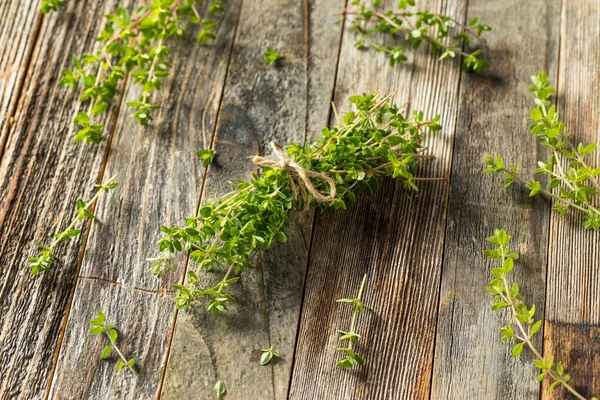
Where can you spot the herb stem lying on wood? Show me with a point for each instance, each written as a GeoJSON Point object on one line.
{"type": "Point", "coordinates": [351, 357]}
{"type": "Point", "coordinates": [507, 296]}
{"type": "Point", "coordinates": [374, 141]}
{"type": "Point", "coordinates": [46, 258]}
{"type": "Point", "coordinates": [577, 184]}
{"type": "Point", "coordinates": [417, 27]}
{"type": "Point", "coordinates": [98, 327]}
{"type": "Point", "coordinates": [131, 43]}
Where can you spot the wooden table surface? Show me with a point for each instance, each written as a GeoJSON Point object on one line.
{"type": "Point", "coordinates": [433, 334]}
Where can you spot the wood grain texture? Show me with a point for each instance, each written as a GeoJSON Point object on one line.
{"type": "Point", "coordinates": [261, 103]}
{"type": "Point", "coordinates": [42, 173]}
{"type": "Point", "coordinates": [394, 236]}
{"type": "Point", "coordinates": [19, 28]}
{"type": "Point", "coordinates": [471, 362]}
{"type": "Point", "coordinates": [573, 285]}
{"type": "Point", "coordinates": [160, 180]}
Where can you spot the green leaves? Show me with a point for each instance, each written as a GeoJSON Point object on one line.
{"type": "Point", "coordinates": [52, 5]}
{"type": "Point", "coordinates": [267, 355]}
{"type": "Point", "coordinates": [271, 56]}
{"type": "Point", "coordinates": [524, 325]}
{"type": "Point", "coordinates": [134, 43]}
{"type": "Point", "coordinates": [98, 326]}
{"type": "Point", "coordinates": [572, 182]}
{"type": "Point", "coordinates": [219, 388]}
{"type": "Point", "coordinates": [444, 34]}
{"type": "Point", "coordinates": [207, 156]}
{"type": "Point", "coordinates": [351, 358]}
{"type": "Point", "coordinates": [374, 140]}
{"type": "Point", "coordinates": [46, 257]}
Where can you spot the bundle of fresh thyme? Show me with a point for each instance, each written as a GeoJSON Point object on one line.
{"type": "Point", "coordinates": [523, 326]}
{"type": "Point", "coordinates": [576, 182]}
{"type": "Point", "coordinates": [374, 141]}
{"type": "Point", "coordinates": [131, 43]}
{"type": "Point", "coordinates": [416, 27]}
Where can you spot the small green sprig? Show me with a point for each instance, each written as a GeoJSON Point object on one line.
{"type": "Point", "coordinates": [523, 326]}
{"type": "Point", "coordinates": [374, 141]}
{"type": "Point", "coordinates": [135, 43]}
{"type": "Point", "coordinates": [352, 358]}
{"type": "Point", "coordinates": [267, 355]}
{"type": "Point", "coordinates": [416, 28]}
{"type": "Point", "coordinates": [272, 57]}
{"type": "Point", "coordinates": [574, 181]}
{"type": "Point", "coordinates": [207, 156]}
{"type": "Point", "coordinates": [220, 389]}
{"type": "Point", "coordinates": [52, 5]}
{"type": "Point", "coordinates": [98, 327]}
{"type": "Point", "coordinates": [46, 257]}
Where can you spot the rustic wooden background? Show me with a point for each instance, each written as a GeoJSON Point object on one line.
{"type": "Point", "coordinates": [432, 335]}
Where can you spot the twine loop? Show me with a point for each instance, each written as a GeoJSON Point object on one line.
{"type": "Point", "coordinates": [300, 178]}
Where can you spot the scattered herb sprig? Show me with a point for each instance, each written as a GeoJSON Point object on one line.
{"type": "Point", "coordinates": [136, 43]}
{"type": "Point", "coordinates": [267, 355]}
{"type": "Point", "coordinates": [576, 182]}
{"type": "Point", "coordinates": [46, 257]}
{"type": "Point", "coordinates": [523, 326]}
{"type": "Point", "coordinates": [271, 56]}
{"type": "Point", "coordinates": [374, 141]}
{"type": "Point", "coordinates": [98, 327]}
{"type": "Point", "coordinates": [219, 388]}
{"type": "Point", "coordinates": [351, 358]}
{"type": "Point", "coordinates": [416, 28]}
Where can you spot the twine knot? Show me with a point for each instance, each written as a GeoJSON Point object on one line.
{"type": "Point", "coordinates": [300, 178]}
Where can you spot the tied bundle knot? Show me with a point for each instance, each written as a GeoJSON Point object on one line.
{"type": "Point", "coordinates": [300, 178]}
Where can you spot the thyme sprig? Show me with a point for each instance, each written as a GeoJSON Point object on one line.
{"type": "Point", "coordinates": [574, 182]}
{"type": "Point", "coordinates": [416, 28]}
{"type": "Point", "coordinates": [523, 326]}
{"type": "Point", "coordinates": [98, 327]}
{"type": "Point", "coordinates": [351, 357]}
{"type": "Point", "coordinates": [137, 43]}
{"type": "Point", "coordinates": [46, 257]}
{"type": "Point", "coordinates": [374, 141]}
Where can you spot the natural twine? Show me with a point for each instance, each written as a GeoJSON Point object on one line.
{"type": "Point", "coordinates": [300, 178]}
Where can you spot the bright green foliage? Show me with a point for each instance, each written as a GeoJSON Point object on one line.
{"type": "Point", "coordinates": [374, 141]}
{"type": "Point", "coordinates": [574, 182]}
{"type": "Point", "coordinates": [351, 358]}
{"type": "Point", "coordinates": [134, 43]}
{"type": "Point", "coordinates": [219, 388]}
{"type": "Point", "coordinates": [267, 355]}
{"type": "Point", "coordinates": [98, 326]}
{"type": "Point", "coordinates": [444, 34]}
{"type": "Point", "coordinates": [45, 258]}
{"type": "Point", "coordinates": [524, 326]}
{"type": "Point", "coordinates": [207, 156]}
{"type": "Point", "coordinates": [52, 5]}
{"type": "Point", "coordinates": [271, 56]}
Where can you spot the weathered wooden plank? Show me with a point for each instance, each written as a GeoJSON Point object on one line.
{"type": "Point", "coordinates": [42, 173]}
{"type": "Point", "coordinates": [261, 103]}
{"type": "Point", "coordinates": [19, 28]}
{"type": "Point", "coordinates": [161, 179]}
{"type": "Point", "coordinates": [573, 308]}
{"type": "Point", "coordinates": [471, 362]}
{"type": "Point", "coordinates": [394, 236]}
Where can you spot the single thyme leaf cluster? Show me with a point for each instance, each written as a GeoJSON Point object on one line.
{"type": "Point", "coordinates": [98, 327]}
{"type": "Point", "coordinates": [523, 326]}
{"type": "Point", "coordinates": [267, 355]}
{"type": "Point", "coordinates": [135, 43]}
{"type": "Point", "coordinates": [46, 258]}
{"type": "Point", "coordinates": [444, 34]}
{"type": "Point", "coordinates": [374, 141]}
{"type": "Point", "coordinates": [351, 358]}
{"type": "Point", "coordinates": [272, 56]}
{"type": "Point", "coordinates": [575, 182]}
